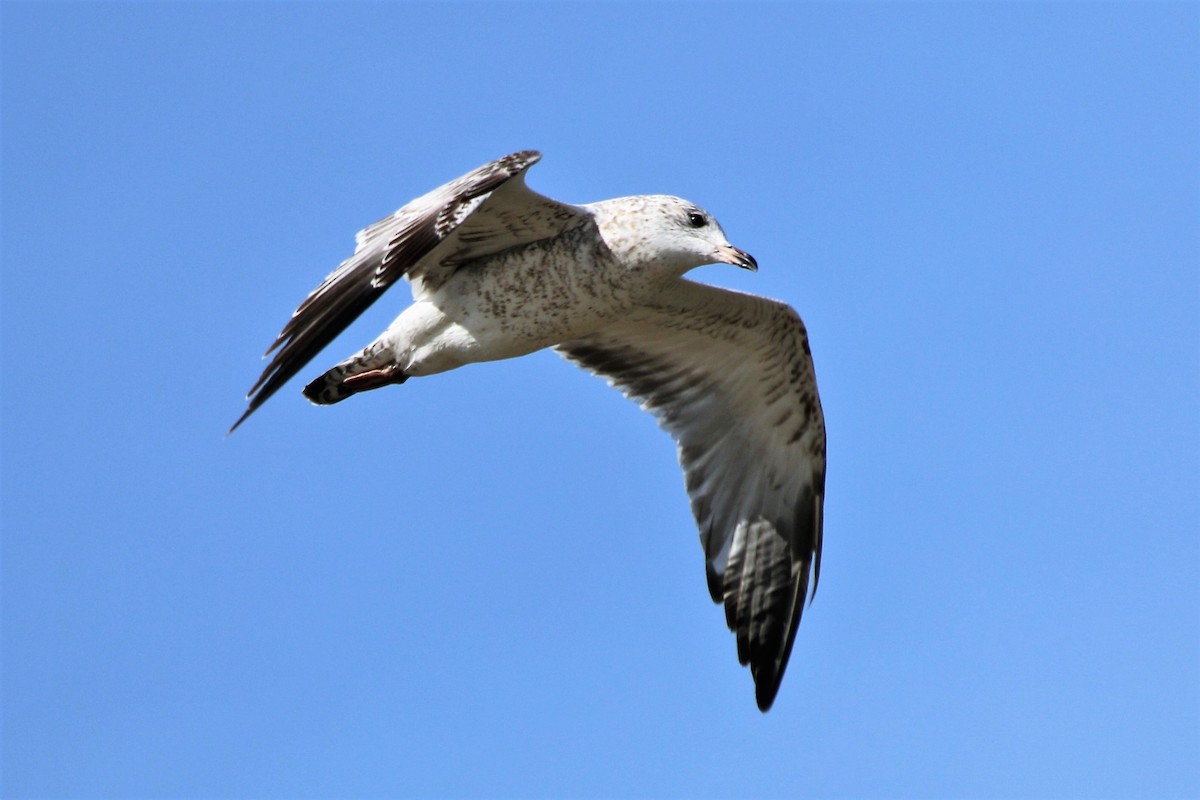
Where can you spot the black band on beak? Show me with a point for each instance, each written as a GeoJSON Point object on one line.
{"type": "Point", "coordinates": [745, 260]}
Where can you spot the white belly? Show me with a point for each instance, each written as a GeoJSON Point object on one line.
{"type": "Point", "coordinates": [507, 307]}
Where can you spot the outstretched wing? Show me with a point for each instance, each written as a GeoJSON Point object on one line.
{"type": "Point", "coordinates": [730, 376]}
{"type": "Point", "coordinates": [484, 212]}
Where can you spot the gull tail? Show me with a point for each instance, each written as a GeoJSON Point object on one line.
{"type": "Point", "coordinates": [373, 368]}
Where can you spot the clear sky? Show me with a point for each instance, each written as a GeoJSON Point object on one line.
{"type": "Point", "coordinates": [488, 583]}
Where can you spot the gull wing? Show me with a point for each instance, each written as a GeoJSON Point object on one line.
{"type": "Point", "coordinates": [484, 212]}
{"type": "Point", "coordinates": [730, 377]}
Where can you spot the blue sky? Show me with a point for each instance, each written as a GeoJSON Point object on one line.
{"type": "Point", "coordinates": [488, 583]}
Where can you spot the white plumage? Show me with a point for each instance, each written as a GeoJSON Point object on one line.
{"type": "Point", "coordinates": [498, 271]}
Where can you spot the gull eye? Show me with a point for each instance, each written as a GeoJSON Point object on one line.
{"type": "Point", "coordinates": [696, 219]}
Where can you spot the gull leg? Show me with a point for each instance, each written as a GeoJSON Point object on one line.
{"type": "Point", "coordinates": [373, 368]}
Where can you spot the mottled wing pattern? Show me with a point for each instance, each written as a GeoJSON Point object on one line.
{"type": "Point", "coordinates": [730, 376]}
{"type": "Point", "coordinates": [510, 217]}
{"type": "Point", "coordinates": [413, 242]}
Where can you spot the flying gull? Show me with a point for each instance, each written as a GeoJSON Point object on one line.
{"type": "Point", "coordinates": [499, 271]}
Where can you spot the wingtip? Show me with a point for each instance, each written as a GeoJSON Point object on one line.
{"type": "Point", "coordinates": [764, 693]}
{"type": "Point", "coordinates": [240, 420]}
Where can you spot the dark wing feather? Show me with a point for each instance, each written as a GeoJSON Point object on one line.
{"type": "Point", "coordinates": [730, 376]}
{"type": "Point", "coordinates": [421, 241]}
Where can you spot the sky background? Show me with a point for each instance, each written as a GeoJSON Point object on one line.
{"type": "Point", "coordinates": [488, 583]}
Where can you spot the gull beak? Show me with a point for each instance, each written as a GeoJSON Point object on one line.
{"type": "Point", "coordinates": [728, 254]}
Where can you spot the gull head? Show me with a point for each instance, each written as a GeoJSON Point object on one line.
{"type": "Point", "coordinates": [666, 233]}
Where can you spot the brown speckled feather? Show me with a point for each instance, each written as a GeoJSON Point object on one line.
{"type": "Point", "coordinates": [423, 241]}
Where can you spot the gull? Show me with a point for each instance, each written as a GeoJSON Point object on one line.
{"type": "Point", "coordinates": [498, 271]}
